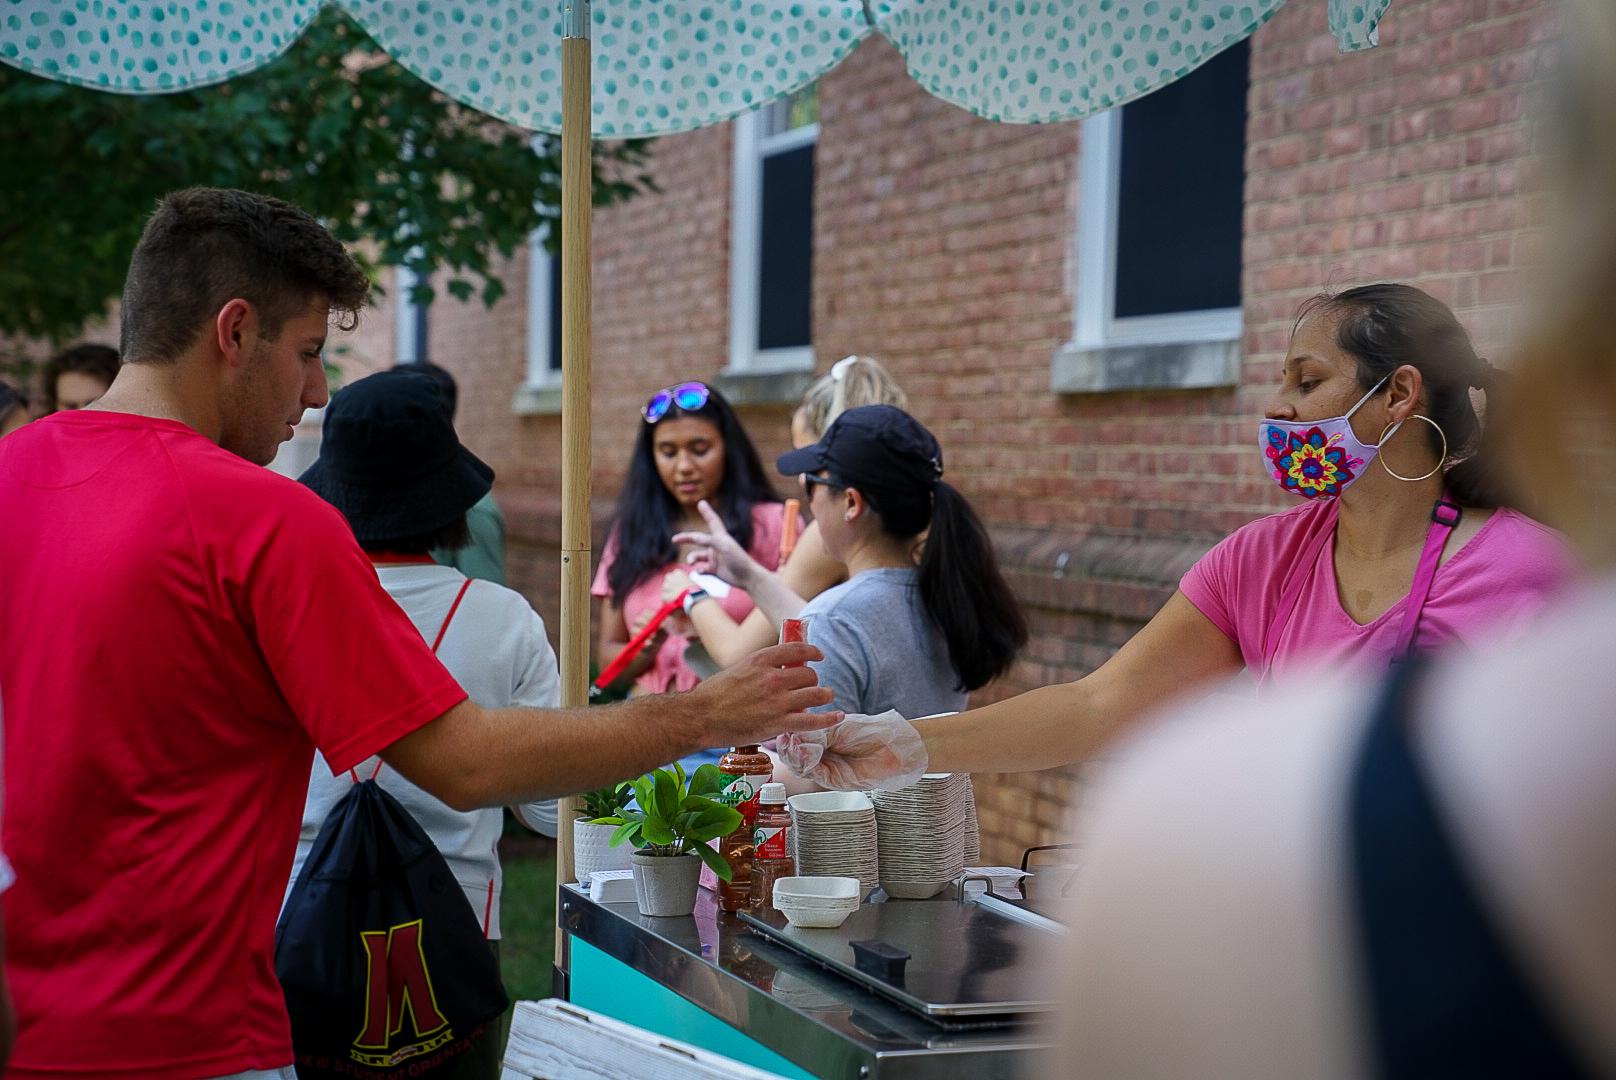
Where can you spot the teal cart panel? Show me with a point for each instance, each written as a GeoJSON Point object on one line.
{"type": "Point", "coordinates": [608, 986]}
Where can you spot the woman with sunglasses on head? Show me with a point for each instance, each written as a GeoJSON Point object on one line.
{"type": "Point", "coordinates": [1402, 544]}
{"type": "Point", "coordinates": [924, 616]}
{"type": "Point", "coordinates": [809, 568]}
{"type": "Point", "coordinates": [690, 448]}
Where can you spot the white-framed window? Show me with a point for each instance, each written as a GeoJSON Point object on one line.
{"type": "Point", "coordinates": [411, 321]}
{"type": "Point", "coordinates": [771, 236]}
{"type": "Point", "coordinates": [1161, 200]}
{"type": "Point", "coordinates": [543, 313]}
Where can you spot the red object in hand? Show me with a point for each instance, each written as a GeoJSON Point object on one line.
{"type": "Point", "coordinates": [788, 535]}
{"type": "Point", "coordinates": [793, 630]}
{"type": "Point", "coordinates": [632, 649]}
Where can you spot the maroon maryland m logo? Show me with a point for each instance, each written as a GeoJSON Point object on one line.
{"type": "Point", "coordinates": [397, 982]}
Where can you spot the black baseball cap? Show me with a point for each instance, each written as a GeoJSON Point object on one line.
{"type": "Point", "coordinates": [872, 448]}
{"type": "Point", "coordinates": [390, 459]}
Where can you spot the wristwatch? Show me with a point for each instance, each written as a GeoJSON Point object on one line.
{"type": "Point", "coordinates": [694, 597]}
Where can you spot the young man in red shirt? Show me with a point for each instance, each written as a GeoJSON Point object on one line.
{"type": "Point", "coordinates": [180, 628]}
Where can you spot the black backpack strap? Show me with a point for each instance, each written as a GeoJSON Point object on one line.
{"type": "Point", "coordinates": [1446, 996]}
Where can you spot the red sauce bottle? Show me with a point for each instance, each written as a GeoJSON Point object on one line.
{"type": "Point", "coordinates": [771, 846]}
{"type": "Point", "coordinates": [746, 769]}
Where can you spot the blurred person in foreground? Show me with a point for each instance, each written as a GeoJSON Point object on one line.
{"type": "Point", "coordinates": [1404, 876]}
{"type": "Point", "coordinates": [235, 625]}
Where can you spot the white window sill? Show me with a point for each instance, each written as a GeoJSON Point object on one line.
{"type": "Point", "coordinates": [1104, 369]}
{"type": "Point", "coordinates": [538, 399]}
{"type": "Point", "coordinates": [773, 386]}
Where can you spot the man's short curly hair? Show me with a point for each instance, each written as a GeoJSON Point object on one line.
{"type": "Point", "coordinates": [206, 246]}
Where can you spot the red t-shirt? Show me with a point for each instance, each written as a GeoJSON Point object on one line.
{"type": "Point", "coordinates": [179, 629]}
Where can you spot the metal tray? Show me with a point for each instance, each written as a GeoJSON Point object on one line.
{"type": "Point", "coordinates": [966, 963]}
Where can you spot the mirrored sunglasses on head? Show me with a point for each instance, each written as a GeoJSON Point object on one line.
{"type": "Point", "coordinates": [688, 396]}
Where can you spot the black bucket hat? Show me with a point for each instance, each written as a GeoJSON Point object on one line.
{"type": "Point", "coordinates": [877, 448]}
{"type": "Point", "coordinates": [390, 459]}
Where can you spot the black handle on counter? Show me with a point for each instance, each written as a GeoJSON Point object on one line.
{"type": "Point", "coordinates": [885, 962]}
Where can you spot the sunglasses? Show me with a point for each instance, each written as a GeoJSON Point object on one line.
{"type": "Point", "coordinates": [688, 396]}
{"type": "Point", "coordinates": [809, 480]}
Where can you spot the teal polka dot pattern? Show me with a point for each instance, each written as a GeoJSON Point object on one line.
{"type": "Point", "coordinates": [148, 46]}
{"type": "Point", "coordinates": [1035, 61]}
{"type": "Point", "coordinates": [1356, 23]}
{"type": "Point", "coordinates": [658, 67]}
{"type": "Point", "coordinates": [661, 66]}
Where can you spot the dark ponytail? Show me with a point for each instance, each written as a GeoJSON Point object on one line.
{"type": "Point", "coordinates": [1386, 326]}
{"type": "Point", "coordinates": [961, 587]}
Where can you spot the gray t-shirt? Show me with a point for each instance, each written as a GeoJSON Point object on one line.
{"type": "Point", "coordinates": [882, 651]}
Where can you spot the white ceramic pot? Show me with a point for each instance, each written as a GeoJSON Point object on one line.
{"type": "Point", "coordinates": [592, 850]}
{"type": "Point", "coordinates": [665, 885]}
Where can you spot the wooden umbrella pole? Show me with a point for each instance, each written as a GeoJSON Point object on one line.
{"type": "Point", "coordinates": [576, 199]}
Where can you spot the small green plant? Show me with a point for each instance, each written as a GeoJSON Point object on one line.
{"type": "Point", "coordinates": [676, 815]}
{"type": "Point", "coordinates": [598, 807]}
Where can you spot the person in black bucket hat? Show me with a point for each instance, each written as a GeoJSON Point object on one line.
{"type": "Point", "coordinates": [391, 462]}
{"type": "Point", "coordinates": [925, 617]}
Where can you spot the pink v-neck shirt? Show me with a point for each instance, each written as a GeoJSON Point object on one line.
{"type": "Point", "coordinates": [1494, 585]}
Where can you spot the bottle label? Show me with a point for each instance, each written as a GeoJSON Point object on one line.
{"type": "Point", "coordinates": [741, 793]}
{"type": "Point", "coordinates": [770, 842]}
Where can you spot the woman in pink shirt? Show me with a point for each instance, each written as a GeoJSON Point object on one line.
{"type": "Point", "coordinates": [690, 447]}
{"type": "Point", "coordinates": [1399, 546]}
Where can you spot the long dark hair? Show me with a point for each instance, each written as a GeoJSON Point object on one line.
{"type": "Point", "coordinates": [648, 514]}
{"type": "Point", "coordinates": [1385, 326]}
{"type": "Point", "coordinates": [961, 587]}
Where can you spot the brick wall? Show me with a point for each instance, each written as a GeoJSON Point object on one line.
{"type": "Point", "coordinates": [945, 246]}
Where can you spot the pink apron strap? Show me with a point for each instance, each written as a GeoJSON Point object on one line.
{"type": "Point", "coordinates": [1295, 581]}
{"type": "Point", "coordinates": [1444, 516]}
{"type": "Point", "coordinates": [444, 629]}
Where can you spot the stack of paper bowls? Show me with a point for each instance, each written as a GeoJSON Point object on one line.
{"type": "Point", "coordinates": [833, 834]}
{"type": "Point", "coordinates": [921, 834]}
{"type": "Point", "coordinates": [973, 834]}
{"type": "Point", "coordinates": [822, 902]}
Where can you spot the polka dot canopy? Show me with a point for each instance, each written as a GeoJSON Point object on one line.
{"type": "Point", "coordinates": [662, 66]}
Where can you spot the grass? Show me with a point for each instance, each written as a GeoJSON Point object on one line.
{"type": "Point", "coordinates": [527, 913]}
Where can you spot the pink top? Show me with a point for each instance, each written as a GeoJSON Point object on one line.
{"type": "Point", "coordinates": [670, 672]}
{"type": "Point", "coordinates": [1500, 580]}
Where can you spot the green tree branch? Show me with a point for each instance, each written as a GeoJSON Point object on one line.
{"type": "Point", "coordinates": [406, 175]}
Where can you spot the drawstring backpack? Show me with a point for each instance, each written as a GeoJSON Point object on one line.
{"type": "Point", "coordinates": [383, 961]}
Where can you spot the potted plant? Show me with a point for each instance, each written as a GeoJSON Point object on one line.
{"type": "Point", "coordinates": [670, 825]}
{"type": "Point", "coordinates": [597, 817]}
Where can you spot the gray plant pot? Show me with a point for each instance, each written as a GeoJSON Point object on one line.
{"type": "Point", "coordinates": [665, 885]}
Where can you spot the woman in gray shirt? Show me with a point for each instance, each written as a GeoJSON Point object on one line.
{"type": "Point", "coordinates": [925, 617]}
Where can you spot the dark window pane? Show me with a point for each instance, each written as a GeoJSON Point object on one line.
{"type": "Point", "coordinates": [1180, 192]}
{"type": "Point", "coordinates": [423, 327]}
{"type": "Point", "coordinates": [785, 298]}
{"type": "Point", "coordinates": [554, 314]}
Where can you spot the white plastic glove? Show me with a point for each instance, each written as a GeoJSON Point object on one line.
{"type": "Point", "coordinates": [862, 753]}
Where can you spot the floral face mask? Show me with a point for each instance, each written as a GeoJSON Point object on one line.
{"type": "Point", "coordinates": [1318, 459]}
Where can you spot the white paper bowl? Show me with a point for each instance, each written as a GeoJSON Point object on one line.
{"type": "Point", "coordinates": [815, 914]}
{"type": "Point", "coordinates": [830, 802]}
{"type": "Point", "coordinates": [817, 889]}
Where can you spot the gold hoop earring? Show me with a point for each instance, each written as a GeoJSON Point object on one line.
{"type": "Point", "coordinates": [1441, 461]}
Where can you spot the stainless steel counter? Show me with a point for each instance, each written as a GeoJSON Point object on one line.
{"type": "Point", "coordinates": [807, 1014]}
